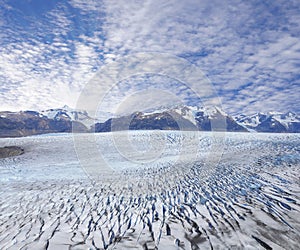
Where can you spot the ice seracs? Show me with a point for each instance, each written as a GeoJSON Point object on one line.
{"type": "Point", "coordinates": [249, 201]}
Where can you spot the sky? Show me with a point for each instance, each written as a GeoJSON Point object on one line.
{"type": "Point", "coordinates": [249, 51]}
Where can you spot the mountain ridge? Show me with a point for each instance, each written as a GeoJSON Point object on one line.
{"type": "Point", "coordinates": [180, 117]}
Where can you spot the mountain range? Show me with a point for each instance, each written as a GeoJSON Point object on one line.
{"type": "Point", "coordinates": [24, 123]}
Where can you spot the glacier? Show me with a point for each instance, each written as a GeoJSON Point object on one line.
{"type": "Point", "coordinates": [162, 190]}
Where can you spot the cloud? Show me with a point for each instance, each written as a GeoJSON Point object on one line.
{"type": "Point", "coordinates": [87, 6]}
{"type": "Point", "coordinates": [249, 50]}
{"type": "Point", "coordinates": [235, 44]}
{"type": "Point", "coordinates": [49, 67]}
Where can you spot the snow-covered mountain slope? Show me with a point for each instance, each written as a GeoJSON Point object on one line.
{"type": "Point", "coordinates": [68, 113]}
{"type": "Point", "coordinates": [24, 123]}
{"type": "Point", "coordinates": [191, 112]}
{"type": "Point", "coordinates": [271, 122]}
{"type": "Point", "coordinates": [174, 118]}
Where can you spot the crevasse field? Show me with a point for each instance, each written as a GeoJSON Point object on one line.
{"type": "Point", "coordinates": [151, 190]}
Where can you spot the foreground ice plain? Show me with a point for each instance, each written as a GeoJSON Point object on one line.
{"type": "Point", "coordinates": [166, 196]}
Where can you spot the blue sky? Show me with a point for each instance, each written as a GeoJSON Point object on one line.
{"type": "Point", "coordinates": [250, 50]}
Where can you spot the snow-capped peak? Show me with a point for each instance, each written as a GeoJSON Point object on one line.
{"type": "Point", "coordinates": [277, 121]}
{"type": "Point", "coordinates": [69, 113]}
